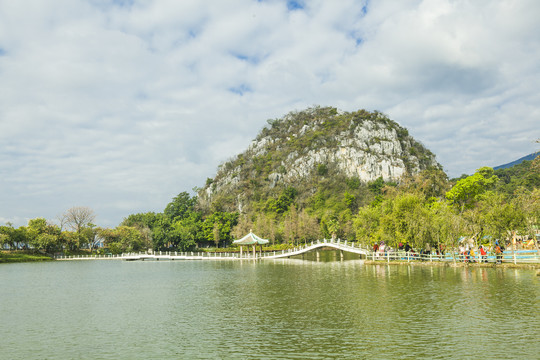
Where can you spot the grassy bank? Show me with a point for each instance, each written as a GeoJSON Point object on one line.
{"type": "Point", "coordinates": [21, 256]}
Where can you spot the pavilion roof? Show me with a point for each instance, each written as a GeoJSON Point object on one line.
{"type": "Point", "coordinates": [251, 239]}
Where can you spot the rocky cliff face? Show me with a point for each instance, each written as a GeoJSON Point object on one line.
{"type": "Point", "coordinates": [318, 142]}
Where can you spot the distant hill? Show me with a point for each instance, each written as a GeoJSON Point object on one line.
{"type": "Point", "coordinates": [529, 157]}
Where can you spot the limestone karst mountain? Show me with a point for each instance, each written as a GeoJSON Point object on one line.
{"type": "Point", "coordinates": [319, 151]}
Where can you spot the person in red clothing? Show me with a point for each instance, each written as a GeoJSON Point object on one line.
{"type": "Point", "coordinates": [483, 254]}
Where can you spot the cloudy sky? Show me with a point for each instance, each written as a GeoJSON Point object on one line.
{"type": "Point", "coordinates": [120, 105]}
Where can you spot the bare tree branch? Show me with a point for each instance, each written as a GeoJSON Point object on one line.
{"type": "Point", "coordinates": [79, 217]}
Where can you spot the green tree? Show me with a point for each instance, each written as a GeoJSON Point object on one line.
{"type": "Point", "coordinates": [376, 186]}
{"type": "Point", "coordinates": [350, 201]}
{"type": "Point", "coordinates": [322, 169]}
{"type": "Point", "coordinates": [501, 216]}
{"type": "Point", "coordinates": [4, 240]}
{"type": "Point", "coordinates": [221, 222]}
{"type": "Point", "coordinates": [450, 226]}
{"type": "Point", "coordinates": [410, 220]}
{"type": "Point", "coordinates": [186, 232]}
{"type": "Point", "coordinates": [180, 206]}
{"type": "Point", "coordinates": [529, 203]}
{"type": "Point", "coordinates": [215, 234]}
{"type": "Point", "coordinates": [131, 239]}
{"type": "Point", "coordinates": [282, 203]}
{"type": "Point", "coordinates": [265, 226]}
{"type": "Point", "coordinates": [140, 220]}
{"type": "Point", "coordinates": [308, 227]}
{"type": "Point", "coordinates": [69, 240]}
{"type": "Point", "coordinates": [43, 236]}
{"type": "Point", "coordinates": [467, 191]}
{"type": "Point", "coordinates": [123, 239]}
{"type": "Point", "coordinates": [7, 234]}
{"type": "Point", "coordinates": [367, 223]}
{"type": "Point", "coordinates": [331, 225]}
{"type": "Point", "coordinates": [161, 229]}
{"type": "Point", "coordinates": [290, 226]}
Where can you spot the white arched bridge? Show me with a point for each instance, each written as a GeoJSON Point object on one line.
{"type": "Point", "coordinates": [334, 244]}
{"type": "Point", "coordinates": [300, 250]}
{"type": "Point", "coordinates": [191, 255]}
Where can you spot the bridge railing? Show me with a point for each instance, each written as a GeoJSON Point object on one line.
{"type": "Point", "coordinates": [506, 257]}
{"type": "Point", "coordinates": [88, 257]}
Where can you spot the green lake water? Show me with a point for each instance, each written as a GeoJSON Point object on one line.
{"type": "Point", "coordinates": [282, 309]}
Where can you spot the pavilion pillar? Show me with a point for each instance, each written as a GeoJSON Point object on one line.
{"type": "Point", "coordinates": [241, 251]}
{"type": "Point", "coordinates": [254, 254]}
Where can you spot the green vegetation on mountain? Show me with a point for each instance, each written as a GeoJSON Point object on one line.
{"type": "Point", "coordinates": [523, 175]}
{"type": "Point", "coordinates": [320, 155]}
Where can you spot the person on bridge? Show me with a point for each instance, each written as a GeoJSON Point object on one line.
{"type": "Point", "coordinates": [472, 254]}
{"type": "Point", "coordinates": [498, 252]}
{"type": "Point", "coordinates": [408, 247]}
{"type": "Point", "coordinates": [382, 248]}
{"type": "Point", "coordinates": [483, 253]}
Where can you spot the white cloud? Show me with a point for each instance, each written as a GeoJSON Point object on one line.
{"type": "Point", "coordinates": [120, 106]}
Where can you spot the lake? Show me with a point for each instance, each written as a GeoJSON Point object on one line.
{"type": "Point", "coordinates": [274, 309]}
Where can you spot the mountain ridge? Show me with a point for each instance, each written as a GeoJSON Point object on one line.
{"type": "Point", "coordinates": [518, 161]}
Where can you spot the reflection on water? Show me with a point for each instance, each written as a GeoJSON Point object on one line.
{"type": "Point", "coordinates": [327, 256]}
{"type": "Point", "coordinates": [285, 308]}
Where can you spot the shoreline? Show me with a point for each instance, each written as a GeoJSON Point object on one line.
{"type": "Point", "coordinates": [456, 264]}
{"type": "Point", "coordinates": [10, 258]}
{"type": "Point", "coordinates": [16, 257]}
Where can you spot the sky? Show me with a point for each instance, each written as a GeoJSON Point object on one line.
{"type": "Point", "coordinates": [121, 105]}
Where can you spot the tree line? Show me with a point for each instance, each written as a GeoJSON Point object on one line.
{"type": "Point", "coordinates": [424, 209]}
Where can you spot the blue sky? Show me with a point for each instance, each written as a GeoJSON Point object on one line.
{"type": "Point", "coordinates": [121, 105]}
